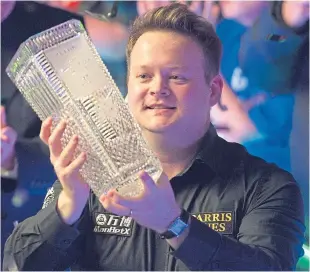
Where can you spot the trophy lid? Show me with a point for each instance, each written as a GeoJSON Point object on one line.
{"type": "Point", "coordinates": [41, 41]}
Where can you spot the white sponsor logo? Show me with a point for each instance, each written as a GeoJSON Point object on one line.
{"type": "Point", "coordinates": [113, 230]}
{"type": "Point", "coordinates": [113, 224]}
{"type": "Point", "coordinates": [101, 219]}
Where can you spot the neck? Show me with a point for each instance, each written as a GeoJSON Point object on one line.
{"type": "Point", "coordinates": [175, 156]}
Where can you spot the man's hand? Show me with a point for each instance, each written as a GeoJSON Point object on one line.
{"type": "Point", "coordinates": [74, 195]}
{"type": "Point", "coordinates": [295, 13]}
{"type": "Point", "coordinates": [234, 123]}
{"type": "Point", "coordinates": [206, 9]}
{"type": "Point", "coordinates": [8, 140]}
{"type": "Point", "coordinates": [155, 208]}
{"type": "Point", "coordinates": [144, 6]}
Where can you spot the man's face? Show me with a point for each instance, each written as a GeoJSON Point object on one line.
{"type": "Point", "coordinates": [167, 89]}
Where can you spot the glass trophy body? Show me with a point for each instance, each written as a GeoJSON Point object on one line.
{"type": "Point", "coordinates": [60, 74]}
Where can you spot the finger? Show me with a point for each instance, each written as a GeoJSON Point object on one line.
{"type": "Point", "coordinates": [128, 202]}
{"type": "Point", "coordinates": [65, 174]}
{"type": "Point", "coordinates": [54, 140]}
{"type": "Point", "coordinates": [3, 117]}
{"type": "Point", "coordinates": [148, 183]}
{"type": "Point", "coordinates": [77, 163]}
{"type": "Point", "coordinates": [67, 154]}
{"type": "Point", "coordinates": [196, 6]}
{"type": "Point", "coordinates": [135, 202]}
{"type": "Point", "coordinates": [254, 101]}
{"type": "Point", "coordinates": [46, 127]}
{"type": "Point", "coordinates": [111, 193]}
{"type": "Point", "coordinates": [4, 138]}
{"type": "Point", "coordinates": [207, 6]}
{"type": "Point", "coordinates": [113, 207]}
{"type": "Point", "coordinates": [10, 134]}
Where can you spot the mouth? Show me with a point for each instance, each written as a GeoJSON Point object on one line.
{"type": "Point", "coordinates": [159, 107]}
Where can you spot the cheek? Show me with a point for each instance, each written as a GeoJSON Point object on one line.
{"type": "Point", "coordinates": [133, 101]}
{"type": "Point", "coordinates": [195, 99]}
{"type": "Point", "coordinates": [135, 88]}
{"type": "Point", "coordinates": [135, 96]}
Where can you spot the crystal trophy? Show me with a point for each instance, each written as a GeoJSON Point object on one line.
{"type": "Point", "coordinates": [60, 74]}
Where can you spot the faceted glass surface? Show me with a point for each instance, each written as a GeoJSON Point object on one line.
{"type": "Point", "coordinates": [60, 74]}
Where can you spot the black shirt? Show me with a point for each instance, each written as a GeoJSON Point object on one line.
{"type": "Point", "coordinates": [246, 215]}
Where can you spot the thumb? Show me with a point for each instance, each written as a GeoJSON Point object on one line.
{"type": "Point", "coordinates": [254, 101]}
{"type": "Point", "coordinates": [147, 181]}
{"type": "Point", "coordinates": [3, 117]}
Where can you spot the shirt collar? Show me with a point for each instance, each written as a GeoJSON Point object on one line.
{"type": "Point", "coordinates": [207, 147]}
{"type": "Point", "coordinates": [222, 157]}
{"type": "Point", "coordinates": [205, 152]}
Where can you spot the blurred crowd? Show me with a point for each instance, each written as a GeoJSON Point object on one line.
{"type": "Point", "coordinates": [264, 104]}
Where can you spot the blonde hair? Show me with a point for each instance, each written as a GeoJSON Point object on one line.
{"type": "Point", "coordinates": [178, 18]}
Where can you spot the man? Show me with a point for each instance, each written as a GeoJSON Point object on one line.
{"type": "Point", "coordinates": [260, 48]}
{"type": "Point", "coordinates": [214, 208]}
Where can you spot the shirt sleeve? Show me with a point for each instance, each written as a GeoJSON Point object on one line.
{"type": "Point", "coordinates": [44, 241]}
{"type": "Point", "coordinates": [270, 236]}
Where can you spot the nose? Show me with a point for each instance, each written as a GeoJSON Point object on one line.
{"type": "Point", "coordinates": [159, 88]}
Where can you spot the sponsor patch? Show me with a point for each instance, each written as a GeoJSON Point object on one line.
{"type": "Point", "coordinates": [49, 198]}
{"type": "Point", "coordinates": [222, 222]}
{"type": "Point", "coordinates": [112, 224]}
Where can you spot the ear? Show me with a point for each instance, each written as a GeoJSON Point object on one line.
{"type": "Point", "coordinates": [216, 87]}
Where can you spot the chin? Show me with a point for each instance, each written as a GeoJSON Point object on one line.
{"type": "Point", "coordinates": [157, 127]}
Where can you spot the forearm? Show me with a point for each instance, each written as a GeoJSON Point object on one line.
{"type": "Point", "coordinates": [42, 242]}
{"type": "Point", "coordinates": [69, 210]}
{"type": "Point", "coordinates": [205, 249]}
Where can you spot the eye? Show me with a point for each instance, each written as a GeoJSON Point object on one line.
{"type": "Point", "coordinates": [178, 78]}
{"type": "Point", "coordinates": [143, 76]}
